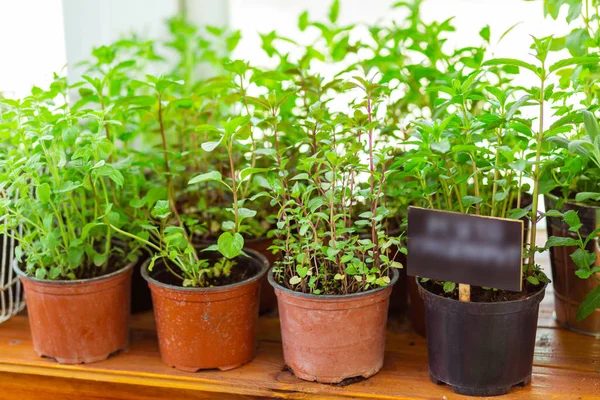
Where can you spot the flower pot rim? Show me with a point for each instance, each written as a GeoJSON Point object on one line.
{"type": "Point", "coordinates": [23, 275]}
{"type": "Point", "coordinates": [254, 255]}
{"type": "Point", "coordinates": [573, 203]}
{"type": "Point", "coordinates": [276, 285]}
{"type": "Point", "coordinates": [482, 303]}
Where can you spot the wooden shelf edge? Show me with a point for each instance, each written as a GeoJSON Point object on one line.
{"type": "Point", "coordinates": [181, 382]}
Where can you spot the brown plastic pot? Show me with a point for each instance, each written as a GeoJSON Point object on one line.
{"type": "Point", "coordinates": [330, 338]}
{"type": "Point", "coordinates": [569, 290]}
{"type": "Point", "coordinates": [79, 321]}
{"type": "Point", "coordinates": [206, 328]}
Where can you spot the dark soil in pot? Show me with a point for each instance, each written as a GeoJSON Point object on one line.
{"type": "Point", "coordinates": [206, 328]}
{"type": "Point", "coordinates": [79, 321]}
{"type": "Point", "coordinates": [569, 290]}
{"type": "Point", "coordinates": [481, 348]}
{"type": "Point", "coordinates": [328, 338]}
{"type": "Point", "coordinates": [268, 300]}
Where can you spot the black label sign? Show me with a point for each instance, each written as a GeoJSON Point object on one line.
{"type": "Point", "coordinates": [450, 246]}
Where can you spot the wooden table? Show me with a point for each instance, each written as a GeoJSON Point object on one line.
{"type": "Point", "coordinates": [566, 365]}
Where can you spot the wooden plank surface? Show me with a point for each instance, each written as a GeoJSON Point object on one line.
{"type": "Point", "coordinates": [566, 366]}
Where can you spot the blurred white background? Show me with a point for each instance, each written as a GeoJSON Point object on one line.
{"type": "Point", "coordinates": [39, 37]}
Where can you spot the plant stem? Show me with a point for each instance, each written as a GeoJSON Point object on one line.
{"type": "Point", "coordinates": [536, 174]}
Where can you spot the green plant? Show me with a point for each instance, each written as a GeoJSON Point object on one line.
{"type": "Point", "coordinates": [582, 257]}
{"type": "Point", "coordinates": [55, 196]}
{"type": "Point", "coordinates": [319, 235]}
{"type": "Point", "coordinates": [476, 161]}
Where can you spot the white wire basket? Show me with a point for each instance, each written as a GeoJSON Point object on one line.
{"type": "Point", "coordinates": [12, 297]}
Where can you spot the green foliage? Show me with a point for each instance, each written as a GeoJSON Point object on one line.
{"type": "Point", "coordinates": [583, 258]}
{"type": "Point", "coordinates": [178, 160]}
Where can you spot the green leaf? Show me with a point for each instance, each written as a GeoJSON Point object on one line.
{"type": "Point", "coordinates": [470, 200]}
{"type": "Point", "coordinates": [251, 171]}
{"type": "Point", "coordinates": [230, 246]}
{"type": "Point", "coordinates": [572, 219]}
{"type": "Point", "coordinates": [303, 21]}
{"type": "Point", "coordinates": [86, 229]}
{"type": "Point", "coordinates": [206, 128]}
{"type": "Point", "coordinates": [161, 209]}
{"type": "Point", "coordinates": [553, 213]}
{"type": "Point", "coordinates": [583, 258]}
{"type": "Point", "coordinates": [581, 147]}
{"type": "Point", "coordinates": [99, 259]}
{"type": "Point", "coordinates": [334, 11]}
{"type": "Point", "coordinates": [40, 273]}
{"type": "Point", "coordinates": [517, 213]}
{"type": "Point", "coordinates": [574, 61]}
{"type": "Point", "coordinates": [554, 241]}
{"type": "Point", "coordinates": [110, 171]}
{"type": "Point", "coordinates": [209, 176]}
{"type": "Point", "coordinates": [43, 193]}
{"type": "Point", "coordinates": [443, 146]}
{"type": "Point", "coordinates": [246, 213]}
{"type": "Point", "coordinates": [485, 33]}
{"type": "Point", "coordinates": [210, 146]}
{"type": "Point", "coordinates": [584, 196]}
{"type": "Point", "coordinates": [228, 225]}
{"type": "Point", "coordinates": [75, 256]}
{"type": "Point", "coordinates": [500, 196]}
{"type": "Point", "coordinates": [589, 304]}
{"type": "Point", "coordinates": [294, 280]}
{"type": "Point", "coordinates": [533, 280]}
{"type": "Point", "coordinates": [449, 287]}
{"type": "Point", "coordinates": [512, 62]}
{"type": "Point", "coordinates": [591, 124]}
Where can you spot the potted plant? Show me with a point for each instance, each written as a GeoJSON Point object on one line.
{"type": "Point", "coordinates": [211, 293]}
{"type": "Point", "coordinates": [56, 203]}
{"type": "Point", "coordinates": [571, 182]}
{"type": "Point", "coordinates": [459, 173]}
{"type": "Point", "coordinates": [572, 214]}
{"type": "Point", "coordinates": [333, 286]}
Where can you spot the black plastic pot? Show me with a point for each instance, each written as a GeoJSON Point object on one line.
{"type": "Point", "coordinates": [480, 349]}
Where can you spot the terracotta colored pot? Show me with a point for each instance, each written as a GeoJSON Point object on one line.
{"type": "Point", "coordinates": [79, 321]}
{"type": "Point", "coordinates": [569, 290]}
{"type": "Point", "coordinates": [481, 349]}
{"type": "Point", "coordinates": [205, 328]}
{"type": "Point", "coordinates": [330, 338]}
{"type": "Point", "coordinates": [268, 300]}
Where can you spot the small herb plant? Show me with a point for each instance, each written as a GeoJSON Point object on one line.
{"type": "Point", "coordinates": [57, 181]}
{"type": "Point", "coordinates": [318, 233]}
